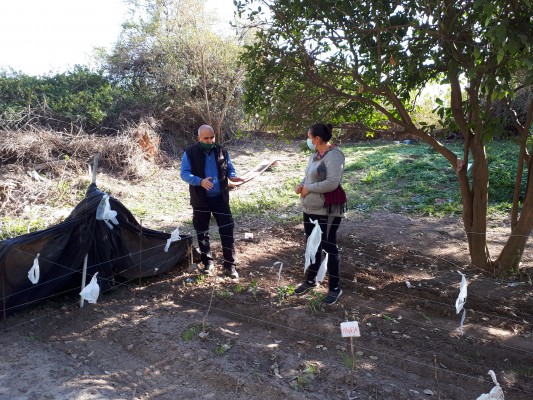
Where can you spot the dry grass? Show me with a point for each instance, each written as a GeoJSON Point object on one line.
{"type": "Point", "coordinates": [50, 168]}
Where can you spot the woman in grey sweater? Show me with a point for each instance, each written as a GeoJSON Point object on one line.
{"type": "Point", "coordinates": [322, 199]}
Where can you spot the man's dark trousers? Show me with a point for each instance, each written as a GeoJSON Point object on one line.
{"type": "Point", "coordinates": [200, 219]}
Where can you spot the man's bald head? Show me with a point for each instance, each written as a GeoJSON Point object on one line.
{"type": "Point", "coordinates": [206, 129]}
{"type": "Point", "coordinates": [206, 134]}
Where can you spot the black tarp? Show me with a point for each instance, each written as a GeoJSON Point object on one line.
{"type": "Point", "coordinates": [126, 252]}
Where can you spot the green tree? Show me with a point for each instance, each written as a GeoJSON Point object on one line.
{"type": "Point", "coordinates": [183, 73]}
{"type": "Point", "coordinates": [361, 55]}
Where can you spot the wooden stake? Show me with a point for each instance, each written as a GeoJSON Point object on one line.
{"type": "Point", "coordinates": [4, 293]}
{"type": "Point", "coordinates": [95, 166]}
{"type": "Point", "coordinates": [353, 362]}
{"type": "Point", "coordinates": [84, 277]}
{"type": "Point", "coordinates": [140, 250]}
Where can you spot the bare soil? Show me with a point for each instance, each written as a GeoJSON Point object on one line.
{"type": "Point", "coordinates": [180, 336]}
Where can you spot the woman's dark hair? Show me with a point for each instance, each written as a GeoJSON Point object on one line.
{"type": "Point", "coordinates": [322, 130]}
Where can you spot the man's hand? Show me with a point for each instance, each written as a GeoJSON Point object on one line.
{"type": "Point", "coordinates": [236, 179]}
{"type": "Point", "coordinates": [206, 183]}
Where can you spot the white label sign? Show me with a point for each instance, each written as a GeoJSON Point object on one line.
{"type": "Point", "coordinates": [350, 329]}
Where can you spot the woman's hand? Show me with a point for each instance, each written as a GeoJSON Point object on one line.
{"type": "Point", "coordinates": [298, 188]}
{"type": "Point", "coordinates": [304, 192]}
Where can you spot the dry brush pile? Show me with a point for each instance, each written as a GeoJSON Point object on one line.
{"type": "Point", "coordinates": [43, 167]}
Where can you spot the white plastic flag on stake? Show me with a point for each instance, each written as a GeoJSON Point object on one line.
{"type": "Point", "coordinates": [313, 243]}
{"type": "Point", "coordinates": [105, 213]}
{"type": "Point", "coordinates": [322, 270]}
{"type": "Point", "coordinates": [34, 272]}
{"type": "Point", "coordinates": [174, 237]}
{"type": "Point", "coordinates": [461, 299]}
{"type": "Point", "coordinates": [91, 291]}
{"type": "Point", "coordinates": [496, 393]}
{"type": "Point", "coordinates": [279, 271]}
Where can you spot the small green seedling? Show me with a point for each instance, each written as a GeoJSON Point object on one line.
{"type": "Point", "coordinates": [190, 333]}
{"type": "Point", "coordinates": [254, 287]}
{"type": "Point", "coordinates": [284, 292]}
{"type": "Point", "coordinates": [314, 301]}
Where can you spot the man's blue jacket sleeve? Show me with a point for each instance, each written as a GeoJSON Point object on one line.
{"type": "Point", "coordinates": [186, 173]}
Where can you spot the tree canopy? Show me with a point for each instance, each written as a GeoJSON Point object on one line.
{"type": "Point", "coordinates": [169, 57]}
{"type": "Point", "coordinates": [345, 60]}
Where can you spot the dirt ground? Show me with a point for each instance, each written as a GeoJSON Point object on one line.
{"type": "Point", "coordinates": [182, 336]}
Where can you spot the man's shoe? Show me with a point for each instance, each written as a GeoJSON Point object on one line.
{"type": "Point", "coordinates": [231, 273]}
{"type": "Point", "coordinates": [332, 297]}
{"type": "Point", "coordinates": [304, 288]}
{"type": "Point", "coordinates": [208, 269]}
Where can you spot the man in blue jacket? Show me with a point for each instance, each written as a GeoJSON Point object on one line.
{"type": "Point", "coordinates": [206, 167]}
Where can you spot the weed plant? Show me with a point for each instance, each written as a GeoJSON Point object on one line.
{"type": "Point", "coordinates": [220, 350]}
{"type": "Point", "coordinates": [314, 301]}
{"type": "Point", "coordinates": [191, 333]}
{"type": "Point", "coordinates": [253, 287]}
{"type": "Point", "coordinates": [284, 292]}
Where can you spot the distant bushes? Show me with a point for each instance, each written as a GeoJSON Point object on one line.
{"type": "Point", "coordinates": [79, 98]}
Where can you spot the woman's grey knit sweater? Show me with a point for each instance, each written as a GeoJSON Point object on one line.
{"type": "Point", "coordinates": [322, 176]}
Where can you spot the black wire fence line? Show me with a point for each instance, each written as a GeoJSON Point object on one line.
{"type": "Point", "coordinates": [118, 284]}
{"type": "Point", "coordinates": [110, 278]}
{"type": "Point", "coordinates": [402, 293]}
{"type": "Point", "coordinates": [340, 342]}
{"type": "Point", "coordinates": [342, 279]}
{"type": "Point", "coordinates": [72, 270]}
{"type": "Point", "coordinates": [387, 227]}
{"type": "Point", "coordinates": [424, 324]}
{"type": "Point", "coordinates": [433, 301]}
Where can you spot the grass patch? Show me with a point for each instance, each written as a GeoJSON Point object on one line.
{"type": "Point", "coordinates": [416, 179]}
{"type": "Point", "coordinates": [12, 227]}
{"type": "Point", "coordinates": [268, 198]}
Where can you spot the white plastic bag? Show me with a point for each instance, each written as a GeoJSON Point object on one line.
{"type": "Point", "coordinates": [105, 213]}
{"type": "Point", "coordinates": [34, 272]}
{"type": "Point", "coordinates": [322, 270]}
{"type": "Point", "coordinates": [313, 243]}
{"type": "Point", "coordinates": [496, 393]}
{"type": "Point", "coordinates": [174, 237]}
{"type": "Point", "coordinates": [91, 291]}
{"type": "Point", "coordinates": [461, 299]}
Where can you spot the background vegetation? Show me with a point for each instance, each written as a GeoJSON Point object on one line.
{"type": "Point", "coordinates": [170, 71]}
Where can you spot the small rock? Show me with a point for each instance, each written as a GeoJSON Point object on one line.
{"type": "Point", "coordinates": [429, 392]}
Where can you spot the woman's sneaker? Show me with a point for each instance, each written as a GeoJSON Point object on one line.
{"type": "Point", "coordinates": [304, 288]}
{"type": "Point", "coordinates": [332, 297]}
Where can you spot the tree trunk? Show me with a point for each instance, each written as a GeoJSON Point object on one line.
{"type": "Point", "coordinates": [510, 256]}
{"type": "Point", "coordinates": [475, 210]}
